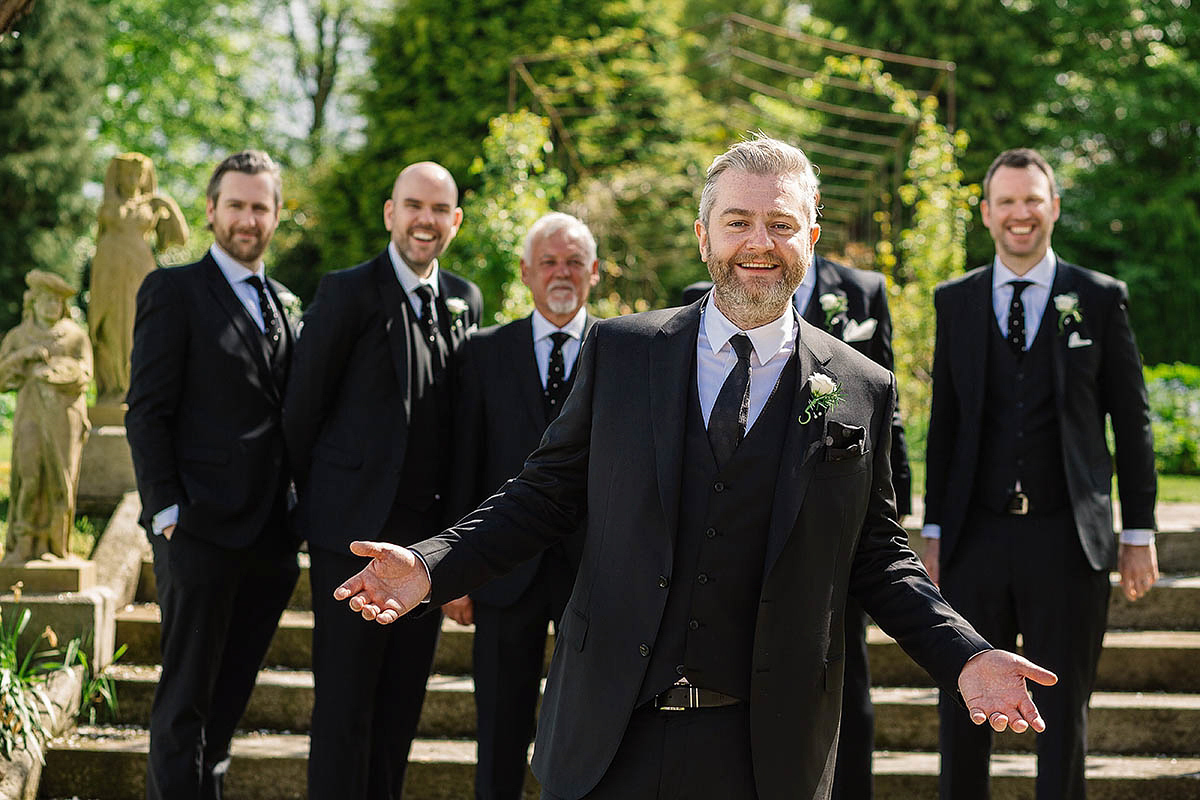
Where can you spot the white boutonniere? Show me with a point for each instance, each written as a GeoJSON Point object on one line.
{"type": "Point", "coordinates": [1067, 306]}
{"type": "Point", "coordinates": [458, 310]}
{"type": "Point", "coordinates": [293, 309]}
{"type": "Point", "coordinates": [824, 394]}
{"type": "Point", "coordinates": [832, 304]}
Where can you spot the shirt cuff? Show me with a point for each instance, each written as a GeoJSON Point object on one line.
{"type": "Point", "coordinates": [931, 531]}
{"type": "Point", "coordinates": [164, 519]}
{"type": "Point", "coordinates": [428, 576]}
{"type": "Point", "coordinates": [1139, 537]}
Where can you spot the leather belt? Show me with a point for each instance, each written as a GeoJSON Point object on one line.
{"type": "Point", "coordinates": [685, 698]}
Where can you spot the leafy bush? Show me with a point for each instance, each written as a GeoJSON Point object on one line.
{"type": "Point", "coordinates": [1174, 391]}
{"type": "Point", "coordinates": [23, 698]}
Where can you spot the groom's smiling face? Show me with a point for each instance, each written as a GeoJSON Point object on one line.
{"type": "Point", "coordinates": [758, 240]}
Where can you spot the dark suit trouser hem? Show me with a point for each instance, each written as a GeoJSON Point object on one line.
{"type": "Point", "coordinates": [220, 608]}
{"type": "Point", "coordinates": [369, 686]}
{"type": "Point", "coordinates": [509, 652]}
{"type": "Point", "coordinates": [1028, 576]}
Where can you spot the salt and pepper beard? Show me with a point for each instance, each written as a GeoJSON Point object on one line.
{"type": "Point", "coordinates": [753, 306]}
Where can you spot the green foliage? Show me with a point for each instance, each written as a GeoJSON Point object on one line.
{"type": "Point", "coordinates": [516, 187]}
{"type": "Point", "coordinates": [98, 700]}
{"type": "Point", "coordinates": [49, 81]}
{"type": "Point", "coordinates": [23, 699]}
{"type": "Point", "coordinates": [1174, 391]}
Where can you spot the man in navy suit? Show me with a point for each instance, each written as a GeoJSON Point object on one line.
{"type": "Point", "coordinates": [1032, 355]}
{"type": "Point", "coordinates": [370, 436]}
{"type": "Point", "coordinates": [513, 380]}
{"type": "Point", "coordinates": [211, 348]}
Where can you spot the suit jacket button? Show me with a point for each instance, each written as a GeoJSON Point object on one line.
{"type": "Point", "coordinates": [718, 486]}
{"type": "Point", "coordinates": [702, 578]}
{"type": "Point", "coordinates": [644, 649]}
{"type": "Point", "coordinates": [711, 532]}
{"type": "Point", "coordinates": [663, 582]}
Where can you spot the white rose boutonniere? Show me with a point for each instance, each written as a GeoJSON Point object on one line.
{"type": "Point", "coordinates": [458, 310]}
{"type": "Point", "coordinates": [824, 395]}
{"type": "Point", "coordinates": [1067, 306]}
{"type": "Point", "coordinates": [832, 304]}
{"type": "Point", "coordinates": [293, 309]}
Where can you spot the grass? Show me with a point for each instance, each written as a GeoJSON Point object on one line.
{"type": "Point", "coordinates": [1171, 488]}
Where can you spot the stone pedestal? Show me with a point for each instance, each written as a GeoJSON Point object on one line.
{"type": "Point", "coordinates": [89, 614]}
{"type": "Point", "coordinates": [106, 472]}
{"type": "Point", "coordinates": [46, 576]}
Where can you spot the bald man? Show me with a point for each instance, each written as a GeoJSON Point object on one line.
{"type": "Point", "coordinates": [368, 431]}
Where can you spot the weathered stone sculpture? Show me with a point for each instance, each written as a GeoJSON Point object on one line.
{"type": "Point", "coordinates": [48, 360]}
{"type": "Point", "coordinates": [131, 209]}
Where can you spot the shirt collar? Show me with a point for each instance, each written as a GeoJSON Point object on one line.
{"type": "Point", "coordinates": [234, 271]}
{"type": "Point", "coordinates": [767, 339]}
{"type": "Point", "coordinates": [543, 327]}
{"type": "Point", "coordinates": [408, 279]}
{"type": "Point", "coordinates": [1042, 273]}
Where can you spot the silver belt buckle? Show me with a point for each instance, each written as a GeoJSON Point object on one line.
{"type": "Point", "coordinates": [1018, 504]}
{"type": "Point", "coordinates": [693, 696]}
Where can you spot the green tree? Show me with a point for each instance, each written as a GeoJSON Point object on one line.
{"type": "Point", "coordinates": [49, 80]}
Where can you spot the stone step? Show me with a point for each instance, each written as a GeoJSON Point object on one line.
{"type": "Point", "coordinates": [1133, 661]}
{"type": "Point", "coordinates": [1120, 723]}
{"type": "Point", "coordinates": [109, 764]}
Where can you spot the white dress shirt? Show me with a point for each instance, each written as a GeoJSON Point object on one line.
{"type": "Point", "coordinates": [409, 280]}
{"type": "Point", "coordinates": [773, 344]}
{"type": "Point", "coordinates": [804, 291]}
{"type": "Point", "coordinates": [543, 344]}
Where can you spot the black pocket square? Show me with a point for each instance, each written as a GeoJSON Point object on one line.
{"type": "Point", "coordinates": [844, 441]}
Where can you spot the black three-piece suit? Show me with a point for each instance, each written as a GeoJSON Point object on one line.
{"type": "Point", "coordinates": [205, 404]}
{"type": "Point", "coordinates": [368, 421]}
{"type": "Point", "coordinates": [500, 416]}
{"type": "Point", "coordinates": [1040, 417]}
{"type": "Point", "coordinates": [616, 457]}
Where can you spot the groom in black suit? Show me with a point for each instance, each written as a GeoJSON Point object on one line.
{"type": "Point", "coordinates": [513, 380]}
{"type": "Point", "coordinates": [851, 304]}
{"type": "Point", "coordinates": [369, 434]}
{"type": "Point", "coordinates": [1032, 355]}
{"type": "Point", "coordinates": [211, 347]}
{"type": "Point", "coordinates": [732, 464]}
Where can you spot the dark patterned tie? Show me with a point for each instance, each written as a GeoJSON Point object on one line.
{"type": "Point", "coordinates": [557, 388]}
{"type": "Point", "coordinates": [429, 327]}
{"type": "Point", "coordinates": [1016, 318]}
{"type": "Point", "coordinates": [272, 327]}
{"type": "Point", "coordinates": [727, 423]}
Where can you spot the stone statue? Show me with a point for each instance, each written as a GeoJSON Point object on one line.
{"type": "Point", "coordinates": [132, 208]}
{"type": "Point", "coordinates": [48, 360]}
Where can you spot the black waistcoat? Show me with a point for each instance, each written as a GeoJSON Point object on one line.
{"type": "Point", "coordinates": [427, 452]}
{"type": "Point", "coordinates": [707, 629]}
{"type": "Point", "coordinates": [1020, 437]}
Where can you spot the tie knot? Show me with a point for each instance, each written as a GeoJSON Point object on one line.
{"type": "Point", "coordinates": [425, 292]}
{"type": "Point", "coordinates": [1019, 286]}
{"type": "Point", "coordinates": [256, 282]}
{"type": "Point", "coordinates": [559, 338]}
{"type": "Point", "coordinates": [741, 345]}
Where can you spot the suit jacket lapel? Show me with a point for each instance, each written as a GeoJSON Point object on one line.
{"type": "Point", "coordinates": [396, 310]}
{"type": "Point", "coordinates": [800, 444]}
{"type": "Point", "coordinates": [526, 373]}
{"type": "Point", "coordinates": [1064, 283]}
{"type": "Point", "coordinates": [243, 323]}
{"type": "Point", "coordinates": [970, 361]}
{"type": "Point", "coordinates": [823, 278]}
{"type": "Point", "coordinates": [672, 353]}
{"type": "Point", "coordinates": [454, 326]}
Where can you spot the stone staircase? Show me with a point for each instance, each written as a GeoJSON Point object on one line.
{"type": "Point", "coordinates": [1144, 732]}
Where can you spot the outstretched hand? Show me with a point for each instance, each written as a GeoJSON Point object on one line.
{"type": "Point", "coordinates": [393, 584]}
{"type": "Point", "coordinates": [993, 686]}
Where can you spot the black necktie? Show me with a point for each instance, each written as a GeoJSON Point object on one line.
{"type": "Point", "coordinates": [556, 389]}
{"type": "Point", "coordinates": [429, 326]}
{"type": "Point", "coordinates": [1016, 317]}
{"type": "Point", "coordinates": [727, 423]}
{"type": "Point", "coordinates": [272, 327]}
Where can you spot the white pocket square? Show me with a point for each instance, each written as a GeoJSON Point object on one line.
{"type": "Point", "coordinates": [859, 331]}
{"type": "Point", "coordinates": [1075, 340]}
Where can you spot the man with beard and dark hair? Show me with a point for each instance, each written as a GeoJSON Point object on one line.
{"type": "Point", "coordinates": [514, 380]}
{"type": "Point", "coordinates": [732, 465]}
{"type": "Point", "coordinates": [369, 433]}
{"type": "Point", "coordinates": [211, 348]}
